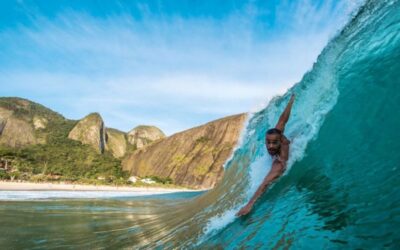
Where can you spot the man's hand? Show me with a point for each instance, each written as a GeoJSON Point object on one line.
{"type": "Point", "coordinates": [245, 210]}
{"type": "Point", "coordinates": [285, 115]}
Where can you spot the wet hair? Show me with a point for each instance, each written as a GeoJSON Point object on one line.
{"type": "Point", "coordinates": [274, 131]}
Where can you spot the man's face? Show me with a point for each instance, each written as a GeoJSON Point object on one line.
{"type": "Point", "coordinates": [273, 143]}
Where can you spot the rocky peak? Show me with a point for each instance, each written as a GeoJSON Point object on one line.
{"type": "Point", "coordinates": [143, 135]}
{"type": "Point", "coordinates": [90, 130]}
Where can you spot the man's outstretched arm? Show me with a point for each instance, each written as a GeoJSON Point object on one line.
{"type": "Point", "coordinates": [278, 167]}
{"type": "Point", "coordinates": [283, 119]}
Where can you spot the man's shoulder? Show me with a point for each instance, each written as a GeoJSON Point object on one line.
{"type": "Point", "coordinates": [278, 165]}
{"type": "Point", "coordinates": [285, 140]}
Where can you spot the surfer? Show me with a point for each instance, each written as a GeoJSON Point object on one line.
{"type": "Point", "coordinates": [278, 147]}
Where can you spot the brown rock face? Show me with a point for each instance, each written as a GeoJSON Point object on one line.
{"type": "Point", "coordinates": [193, 158]}
{"type": "Point", "coordinates": [116, 142]}
{"type": "Point", "coordinates": [3, 123]}
{"type": "Point", "coordinates": [39, 122]}
{"type": "Point", "coordinates": [23, 122]}
{"type": "Point", "coordinates": [90, 130]}
{"type": "Point", "coordinates": [144, 135]}
{"type": "Point", "coordinates": [15, 132]}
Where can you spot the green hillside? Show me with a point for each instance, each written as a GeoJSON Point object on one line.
{"type": "Point", "coordinates": [55, 157]}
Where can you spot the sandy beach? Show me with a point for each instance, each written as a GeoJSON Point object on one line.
{"type": "Point", "coordinates": [30, 186]}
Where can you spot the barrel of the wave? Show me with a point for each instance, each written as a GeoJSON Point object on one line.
{"type": "Point", "coordinates": [344, 190]}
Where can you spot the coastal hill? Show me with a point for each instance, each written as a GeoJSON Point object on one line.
{"type": "Point", "coordinates": [38, 144]}
{"type": "Point", "coordinates": [194, 157]}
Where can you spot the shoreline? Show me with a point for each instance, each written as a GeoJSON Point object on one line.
{"type": "Point", "coordinates": [48, 186]}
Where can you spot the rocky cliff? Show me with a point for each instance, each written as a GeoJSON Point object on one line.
{"type": "Point", "coordinates": [142, 135]}
{"type": "Point", "coordinates": [23, 122]}
{"type": "Point", "coordinates": [193, 158]}
{"type": "Point", "coordinates": [17, 133]}
{"type": "Point", "coordinates": [91, 131]}
{"type": "Point", "coordinates": [116, 142]}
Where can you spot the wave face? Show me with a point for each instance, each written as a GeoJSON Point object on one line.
{"type": "Point", "coordinates": [341, 189]}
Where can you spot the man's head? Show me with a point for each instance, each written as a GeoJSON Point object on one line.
{"type": "Point", "coordinates": [273, 141]}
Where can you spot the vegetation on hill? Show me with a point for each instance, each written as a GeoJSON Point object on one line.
{"type": "Point", "coordinates": [61, 159]}
{"type": "Point", "coordinates": [25, 109]}
{"type": "Point", "coordinates": [57, 158]}
{"type": "Point", "coordinates": [43, 150]}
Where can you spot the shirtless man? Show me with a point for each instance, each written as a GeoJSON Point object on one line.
{"type": "Point", "coordinates": [278, 147]}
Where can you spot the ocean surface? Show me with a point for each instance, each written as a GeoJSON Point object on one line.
{"type": "Point", "coordinates": [341, 189]}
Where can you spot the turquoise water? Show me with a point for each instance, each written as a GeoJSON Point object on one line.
{"type": "Point", "coordinates": [341, 189]}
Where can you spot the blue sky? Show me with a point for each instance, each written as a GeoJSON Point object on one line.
{"type": "Point", "coordinates": [172, 64]}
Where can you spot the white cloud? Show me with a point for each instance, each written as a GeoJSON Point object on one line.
{"type": "Point", "coordinates": [172, 72]}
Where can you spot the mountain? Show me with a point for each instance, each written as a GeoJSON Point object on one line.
{"type": "Point", "coordinates": [34, 146]}
{"type": "Point", "coordinates": [193, 158]}
{"type": "Point", "coordinates": [39, 144]}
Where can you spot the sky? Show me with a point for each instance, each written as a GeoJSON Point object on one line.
{"type": "Point", "coordinates": [174, 64]}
